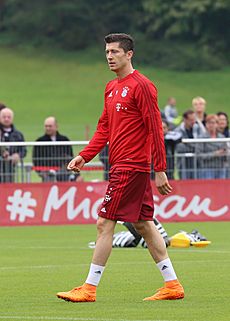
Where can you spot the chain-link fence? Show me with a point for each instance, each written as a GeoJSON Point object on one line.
{"type": "Point", "coordinates": [47, 161]}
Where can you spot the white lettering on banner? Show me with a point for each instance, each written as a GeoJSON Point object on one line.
{"type": "Point", "coordinates": [19, 205]}
{"type": "Point", "coordinates": [96, 207]}
{"type": "Point", "coordinates": [176, 207]}
{"type": "Point", "coordinates": [54, 202]}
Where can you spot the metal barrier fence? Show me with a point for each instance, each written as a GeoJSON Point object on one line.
{"type": "Point", "coordinates": [46, 161]}
{"type": "Point", "coordinates": [203, 158]}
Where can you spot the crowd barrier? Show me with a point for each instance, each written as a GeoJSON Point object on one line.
{"type": "Point", "coordinates": [46, 161]}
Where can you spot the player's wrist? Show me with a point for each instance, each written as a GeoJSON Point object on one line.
{"type": "Point", "coordinates": [83, 158]}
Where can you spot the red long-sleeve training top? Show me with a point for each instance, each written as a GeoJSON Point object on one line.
{"type": "Point", "coordinates": [131, 123]}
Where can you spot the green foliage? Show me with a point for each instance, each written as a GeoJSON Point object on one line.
{"type": "Point", "coordinates": [71, 24]}
{"type": "Point", "coordinates": [177, 55]}
{"type": "Point", "coordinates": [196, 30]}
{"type": "Point", "coordinates": [198, 23]}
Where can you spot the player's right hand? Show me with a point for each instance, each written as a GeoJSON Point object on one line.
{"type": "Point", "coordinates": [76, 164]}
{"type": "Point", "coordinates": [162, 183]}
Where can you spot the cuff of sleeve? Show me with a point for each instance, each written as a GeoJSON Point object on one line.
{"type": "Point", "coordinates": [84, 156]}
{"type": "Point", "coordinates": [158, 169]}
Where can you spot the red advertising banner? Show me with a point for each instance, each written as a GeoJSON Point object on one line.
{"type": "Point", "coordinates": [78, 203]}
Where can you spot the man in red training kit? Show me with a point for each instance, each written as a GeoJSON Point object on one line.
{"type": "Point", "coordinates": [131, 123]}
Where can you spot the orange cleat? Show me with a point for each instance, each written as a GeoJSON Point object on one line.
{"type": "Point", "coordinates": [84, 293]}
{"type": "Point", "coordinates": [172, 290]}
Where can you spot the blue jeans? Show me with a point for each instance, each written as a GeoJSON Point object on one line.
{"type": "Point", "coordinates": [212, 173]}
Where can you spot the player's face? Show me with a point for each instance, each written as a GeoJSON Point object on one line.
{"type": "Point", "coordinates": [116, 57]}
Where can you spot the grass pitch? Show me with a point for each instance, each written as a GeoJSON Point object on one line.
{"type": "Point", "coordinates": [37, 262]}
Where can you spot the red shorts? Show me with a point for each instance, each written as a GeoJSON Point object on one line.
{"type": "Point", "coordinates": [128, 197]}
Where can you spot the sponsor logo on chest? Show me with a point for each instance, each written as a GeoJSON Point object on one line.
{"type": "Point", "coordinates": [120, 107]}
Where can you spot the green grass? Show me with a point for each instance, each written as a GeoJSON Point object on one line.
{"type": "Point", "coordinates": [37, 262]}
{"type": "Point", "coordinates": [37, 84]}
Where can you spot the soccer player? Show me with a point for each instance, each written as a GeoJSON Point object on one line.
{"type": "Point", "coordinates": [131, 123]}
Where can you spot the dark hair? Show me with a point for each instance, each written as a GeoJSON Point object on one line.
{"type": "Point", "coordinates": [2, 106]}
{"type": "Point", "coordinates": [126, 42]}
{"type": "Point", "coordinates": [187, 113]}
{"type": "Point", "coordinates": [226, 130]}
{"type": "Point", "coordinates": [221, 113]}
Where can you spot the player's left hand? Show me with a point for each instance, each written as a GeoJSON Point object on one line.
{"type": "Point", "coordinates": [162, 183]}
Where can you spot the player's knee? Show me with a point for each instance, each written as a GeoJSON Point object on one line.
{"type": "Point", "coordinates": [140, 227]}
{"type": "Point", "coordinates": [104, 226]}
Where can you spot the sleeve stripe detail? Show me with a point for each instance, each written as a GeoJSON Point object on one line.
{"type": "Point", "coordinates": [160, 158]}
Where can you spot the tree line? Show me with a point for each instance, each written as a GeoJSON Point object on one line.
{"type": "Point", "coordinates": [177, 34]}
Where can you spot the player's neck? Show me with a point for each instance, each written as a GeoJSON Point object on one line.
{"type": "Point", "coordinates": [125, 71]}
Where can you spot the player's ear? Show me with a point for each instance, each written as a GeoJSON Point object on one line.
{"type": "Point", "coordinates": [129, 54]}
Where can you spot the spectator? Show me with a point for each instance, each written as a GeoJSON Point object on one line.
{"type": "Point", "coordinates": [186, 163]}
{"type": "Point", "coordinates": [223, 128]}
{"type": "Point", "coordinates": [223, 124]}
{"type": "Point", "coordinates": [10, 155]}
{"type": "Point", "coordinates": [171, 138]}
{"type": "Point", "coordinates": [171, 114]}
{"type": "Point", "coordinates": [212, 155]}
{"type": "Point", "coordinates": [50, 161]}
{"type": "Point", "coordinates": [2, 106]}
{"type": "Point", "coordinates": [104, 158]}
{"type": "Point", "coordinates": [199, 106]}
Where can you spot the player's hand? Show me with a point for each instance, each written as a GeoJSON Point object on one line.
{"type": "Point", "coordinates": [76, 164]}
{"type": "Point", "coordinates": [162, 183]}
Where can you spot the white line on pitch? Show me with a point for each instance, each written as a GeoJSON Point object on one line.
{"type": "Point", "coordinates": [199, 251]}
{"type": "Point", "coordinates": [17, 317]}
{"type": "Point", "coordinates": [53, 266]}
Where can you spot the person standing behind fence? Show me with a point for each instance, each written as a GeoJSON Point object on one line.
{"type": "Point", "coordinates": [223, 128]}
{"type": "Point", "coordinates": [104, 158]}
{"type": "Point", "coordinates": [170, 113]}
{"type": "Point", "coordinates": [212, 155]}
{"type": "Point", "coordinates": [223, 124]}
{"type": "Point", "coordinates": [10, 155]}
{"type": "Point", "coordinates": [50, 161]}
{"type": "Point", "coordinates": [199, 106]}
{"type": "Point", "coordinates": [171, 139]}
{"type": "Point", "coordinates": [186, 163]}
{"type": "Point", "coordinates": [2, 106]}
